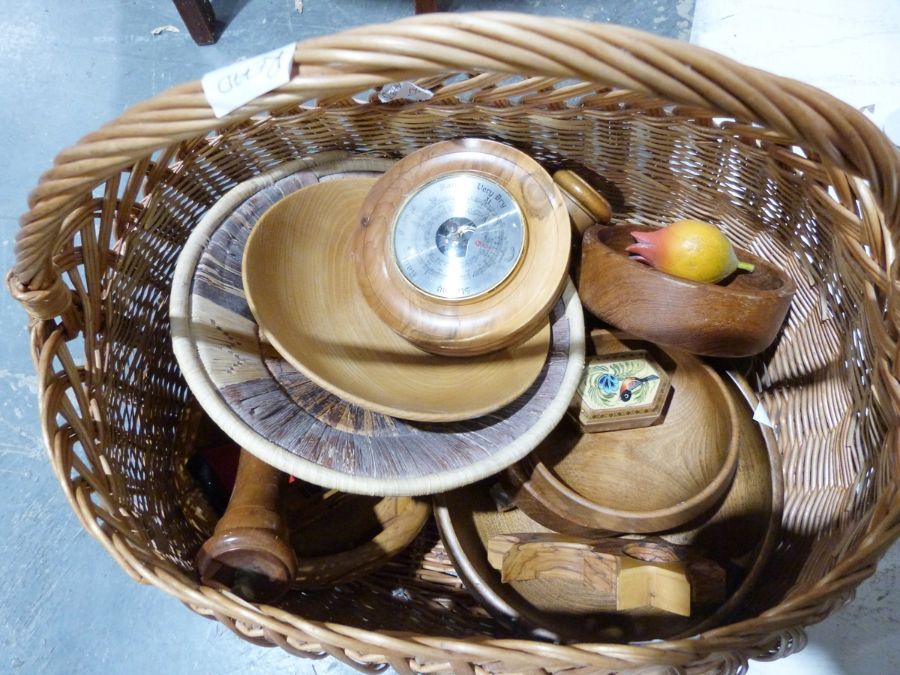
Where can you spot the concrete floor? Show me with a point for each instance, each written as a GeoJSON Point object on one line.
{"type": "Point", "coordinates": [65, 606]}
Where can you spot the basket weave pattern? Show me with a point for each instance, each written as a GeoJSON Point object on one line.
{"type": "Point", "coordinates": [674, 130]}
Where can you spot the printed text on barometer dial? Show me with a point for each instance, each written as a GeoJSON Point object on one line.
{"type": "Point", "coordinates": [458, 236]}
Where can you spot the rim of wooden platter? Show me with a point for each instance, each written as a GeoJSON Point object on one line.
{"type": "Point", "coordinates": [500, 316]}
{"type": "Point", "coordinates": [295, 446]}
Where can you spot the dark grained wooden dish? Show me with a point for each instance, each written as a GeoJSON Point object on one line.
{"type": "Point", "coordinates": [647, 479]}
{"type": "Point", "coordinates": [738, 317]}
{"type": "Point", "coordinates": [739, 534]}
{"type": "Point", "coordinates": [281, 416]}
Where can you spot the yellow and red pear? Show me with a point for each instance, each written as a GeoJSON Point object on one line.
{"type": "Point", "coordinates": [690, 249]}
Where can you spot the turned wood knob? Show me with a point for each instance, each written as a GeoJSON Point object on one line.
{"type": "Point", "coordinates": [250, 551]}
{"type": "Point", "coordinates": [586, 206]}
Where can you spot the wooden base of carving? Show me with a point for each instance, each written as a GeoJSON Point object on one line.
{"type": "Point", "coordinates": [643, 574]}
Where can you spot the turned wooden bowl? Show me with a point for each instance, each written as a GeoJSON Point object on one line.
{"type": "Point", "coordinates": [278, 414]}
{"type": "Point", "coordinates": [739, 534]}
{"type": "Point", "coordinates": [300, 281]}
{"type": "Point", "coordinates": [740, 316]}
{"type": "Point", "coordinates": [646, 479]}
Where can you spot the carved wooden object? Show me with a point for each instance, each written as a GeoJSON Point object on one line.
{"type": "Point", "coordinates": [666, 581]}
{"type": "Point", "coordinates": [302, 289]}
{"type": "Point", "coordinates": [740, 316]}
{"type": "Point", "coordinates": [503, 316]}
{"type": "Point", "coordinates": [646, 479]}
{"type": "Point", "coordinates": [250, 551]}
{"type": "Point", "coordinates": [266, 404]}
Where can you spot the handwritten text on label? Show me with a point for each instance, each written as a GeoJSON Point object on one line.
{"type": "Point", "coordinates": [230, 87]}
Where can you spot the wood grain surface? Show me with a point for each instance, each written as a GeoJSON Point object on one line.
{"type": "Point", "coordinates": [301, 286]}
{"type": "Point", "coordinates": [740, 316]}
{"type": "Point", "coordinates": [738, 535]}
{"type": "Point", "coordinates": [250, 551]}
{"type": "Point", "coordinates": [338, 537]}
{"type": "Point", "coordinates": [646, 479]}
{"type": "Point", "coordinates": [281, 416]}
{"type": "Point", "coordinates": [585, 204]}
{"type": "Point", "coordinates": [669, 580]}
{"type": "Point", "coordinates": [502, 317]}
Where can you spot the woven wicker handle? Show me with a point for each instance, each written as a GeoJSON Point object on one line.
{"type": "Point", "coordinates": [357, 59]}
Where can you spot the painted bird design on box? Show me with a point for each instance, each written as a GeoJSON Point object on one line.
{"type": "Point", "coordinates": [611, 384]}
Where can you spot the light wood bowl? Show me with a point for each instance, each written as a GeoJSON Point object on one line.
{"type": "Point", "coordinates": [739, 534]}
{"type": "Point", "coordinates": [740, 316]}
{"type": "Point", "coordinates": [301, 285]}
{"type": "Point", "coordinates": [501, 317]}
{"type": "Point", "coordinates": [281, 416]}
{"type": "Point", "coordinates": [640, 480]}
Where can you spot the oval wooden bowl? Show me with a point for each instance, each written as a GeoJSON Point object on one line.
{"type": "Point", "coordinates": [503, 316]}
{"type": "Point", "coordinates": [739, 534]}
{"type": "Point", "coordinates": [281, 416]}
{"type": "Point", "coordinates": [641, 480]}
{"type": "Point", "coordinates": [301, 286]}
{"type": "Point", "coordinates": [738, 317]}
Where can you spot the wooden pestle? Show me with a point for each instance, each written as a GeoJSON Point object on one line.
{"type": "Point", "coordinates": [250, 551]}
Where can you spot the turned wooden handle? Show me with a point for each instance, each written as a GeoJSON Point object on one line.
{"type": "Point", "coordinates": [250, 551]}
{"type": "Point", "coordinates": [586, 206]}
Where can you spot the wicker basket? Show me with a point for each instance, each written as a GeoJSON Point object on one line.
{"type": "Point", "coordinates": [789, 172]}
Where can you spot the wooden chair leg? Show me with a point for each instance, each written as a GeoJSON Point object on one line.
{"type": "Point", "coordinates": [425, 6]}
{"type": "Point", "coordinates": [200, 19]}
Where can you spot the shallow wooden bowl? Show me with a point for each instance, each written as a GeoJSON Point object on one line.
{"type": "Point", "coordinates": [739, 534]}
{"type": "Point", "coordinates": [301, 284]}
{"type": "Point", "coordinates": [645, 479]}
{"type": "Point", "coordinates": [281, 416]}
{"type": "Point", "coordinates": [738, 317]}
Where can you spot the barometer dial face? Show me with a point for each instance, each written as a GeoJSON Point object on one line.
{"type": "Point", "coordinates": [458, 236]}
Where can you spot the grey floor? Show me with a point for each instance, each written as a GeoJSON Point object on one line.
{"type": "Point", "coordinates": [65, 606]}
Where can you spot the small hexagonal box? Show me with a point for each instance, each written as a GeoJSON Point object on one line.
{"type": "Point", "coordinates": [622, 390]}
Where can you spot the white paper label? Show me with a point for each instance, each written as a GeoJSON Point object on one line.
{"type": "Point", "coordinates": [231, 87]}
{"type": "Point", "coordinates": [760, 415]}
{"type": "Point", "coordinates": [407, 91]}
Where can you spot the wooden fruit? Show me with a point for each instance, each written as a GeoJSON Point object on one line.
{"type": "Point", "coordinates": [690, 249]}
{"type": "Point", "coordinates": [739, 317]}
{"type": "Point", "coordinates": [463, 247]}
